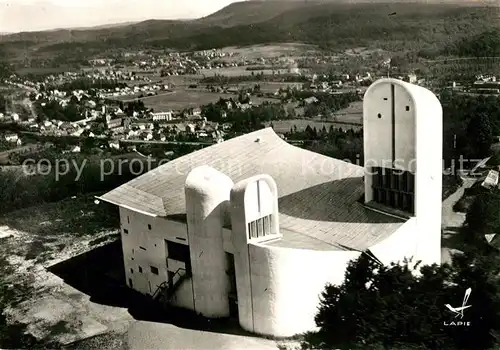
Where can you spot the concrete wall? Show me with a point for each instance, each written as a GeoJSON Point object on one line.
{"type": "Point", "coordinates": [377, 129]}
{"type": "Point", "coordinates": [405, 126]}
{"type": "Point", "coordinates": [400, 245]}
{"type": "Point", "coordinates": [418, 148]}
{"type": "Point", "coordinates": [154, 252]}
{"type": "Point", "coordinates": [286, 285]}
{"type": "Point", "coordinates": [207, 194]}
{"type": "Point", "coordinates": [429, 181]}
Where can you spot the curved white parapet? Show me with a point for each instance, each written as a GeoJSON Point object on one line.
{"type": "Point", "coordinates": [207, 194]}
{"type": "Point", "coordinates": [286, 285]}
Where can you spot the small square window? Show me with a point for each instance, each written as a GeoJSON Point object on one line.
{"type": "Point", "coordinates": [149, 227]}
{"type": "Point", "coordinates": [125, 231]}
{"type": "Point", "coordinates": [407, 108]}
{"type": "Point", "coordinates": [140, 269]}
{"type": "Point", "coordinates": [154, 270]}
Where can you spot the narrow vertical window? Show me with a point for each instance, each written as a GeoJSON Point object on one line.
{"type": "Point", "coordinates": [266, 225]}
{"type": "Point", "coordinates": [260, 228]}
{"type": "Point", "coordinates": [254, 229]}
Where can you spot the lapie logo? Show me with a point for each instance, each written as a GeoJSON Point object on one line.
{"type": "Point", "coordinates": [459, 311]}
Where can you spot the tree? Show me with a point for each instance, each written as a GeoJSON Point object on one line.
{"type": "Point", "coordinates": [390, 307]}
{"type": "Point", "coordinates": [481, 134]}
{"type": "Point", "coordinates": [3, 104]}
{"type": "Point", "coordinates": [291, 113]}
{"type": "Point", "coordinates": [483, 217]}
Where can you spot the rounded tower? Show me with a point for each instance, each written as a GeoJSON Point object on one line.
{"type": "Point", "coordinates": [403, 142]}
{"type": "Point", "coordinates": [207, 196]}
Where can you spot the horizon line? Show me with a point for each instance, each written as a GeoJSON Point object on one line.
{"type": "Point", "coordinates": [126, 22]}
{"type": "Point", "coordinates": [99, 26]}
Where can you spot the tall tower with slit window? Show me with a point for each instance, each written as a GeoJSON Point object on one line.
{"type": "Point", "coordinates": [403, 140]}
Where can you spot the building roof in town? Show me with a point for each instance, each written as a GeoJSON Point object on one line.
{"type": "Point", "coordinates": [319, 197]}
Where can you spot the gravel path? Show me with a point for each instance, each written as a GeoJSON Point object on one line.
{"type": "Point", "coordinates": [149, 335]}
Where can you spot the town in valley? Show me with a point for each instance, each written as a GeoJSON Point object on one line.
{"type": "Point", "coordinates": [112, 134]}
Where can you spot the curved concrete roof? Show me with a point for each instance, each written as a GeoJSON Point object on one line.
{"type": "Point", "coordinates": [318, 196]}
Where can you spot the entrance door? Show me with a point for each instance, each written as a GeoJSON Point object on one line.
{"type": "Point", "coordinates": [233, 294]}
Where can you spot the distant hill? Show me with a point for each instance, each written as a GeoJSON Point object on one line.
{"type": "Point", "coordinates": [106, 26]}
{"type": "Point", "coordinates": [335, 24]}
{"type": "Point", "coordinates": [251, 12]}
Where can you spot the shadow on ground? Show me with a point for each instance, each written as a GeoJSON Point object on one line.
{"type": "Point", "coordinates": [100, 274]}
{"type": "Point", "coordinates": [452, 238]}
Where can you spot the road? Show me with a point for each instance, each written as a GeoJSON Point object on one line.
{"type": "Point", "coordinates": [452, 221]}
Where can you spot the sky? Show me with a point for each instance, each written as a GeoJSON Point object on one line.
{"type": "Point", "coordinates": [32, 15]}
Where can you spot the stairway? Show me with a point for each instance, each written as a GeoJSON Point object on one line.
{"type": "Point", "coordinates": [166, 290]}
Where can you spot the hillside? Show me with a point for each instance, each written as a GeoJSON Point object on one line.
{"type": "Point", "coordinates": [334, 24]}
{"type": "Point", "coordinates": [413, 27]}
{"type": "Point", "coordinates": [251, 12]}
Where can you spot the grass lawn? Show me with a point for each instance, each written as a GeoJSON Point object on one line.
{"type": "Point", "coordinates": [52, 225]}
{"type": "Point", "coordinates": [78, 216]}
{"type": "Point", "coordinates": [181, 99]}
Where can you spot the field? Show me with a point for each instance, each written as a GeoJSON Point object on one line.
{"type": "Point", "coordinates": [239, 71]}
{"type": "Point", "coordinates": [274, 50]}
{"type": "Point", "coordinates": [44, 71]}
{"type": "Point", "coordinates": [352, 114]}
{"type": "Point", "coordinates": [182, 99]}
{"type": "Point", "coordinates": [283, 126]}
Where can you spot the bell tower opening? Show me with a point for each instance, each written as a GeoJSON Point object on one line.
{"type": "Point", "coordinates": [394, 188]}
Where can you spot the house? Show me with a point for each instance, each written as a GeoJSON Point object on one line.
{"type": "Point", "coordinates": [196, 112]}
{"type": "Point", "coordinates": [11, 138]}
{"type": "Point", "coordinates": [114, 144]}
{"type": "Point", "coordinates": [234, 230]}
{"type": "Point", "coordinates": [310, 100]}
{"type": "Point", "coordinates": [491, 180]}
{"type": "Point", "coordinates": [113, 123]}
{"type": "Point", "coordinates": [411, 78]}
{"type": "Point", "coordinates": [162, 116]}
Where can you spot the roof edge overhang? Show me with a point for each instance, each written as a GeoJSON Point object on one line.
{"type": "Point", "coordinates": [127, 207]}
